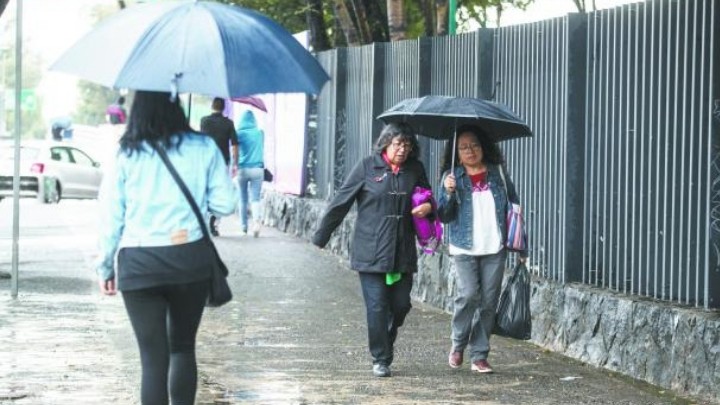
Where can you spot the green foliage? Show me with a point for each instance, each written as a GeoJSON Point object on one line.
{"type": "Point", "coordinates": [93, 100]}
{"type": "Point", "coordinates": [478, 9]}
{"type": "Point", "coordinates": [288, 13]}
{"type": "Point", "coordinates": [32, 121]}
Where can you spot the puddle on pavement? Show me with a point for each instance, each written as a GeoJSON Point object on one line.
{"type": "Point", "coordinates": [275, 388]}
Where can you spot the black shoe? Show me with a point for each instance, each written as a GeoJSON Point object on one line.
{"type": "Point", "coordinates": [381, 370]}
{"type": "Point", "coordinates": [214, 232]}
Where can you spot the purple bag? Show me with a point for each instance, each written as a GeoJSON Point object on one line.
{"type": "Point", "coordinates": [429, 231]}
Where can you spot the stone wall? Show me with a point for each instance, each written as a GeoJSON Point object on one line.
{"type": "Point", "coordinates": [666, 345]}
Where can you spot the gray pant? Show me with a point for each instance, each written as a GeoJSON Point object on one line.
{"type": "Point", "coordinates": [479, 280]}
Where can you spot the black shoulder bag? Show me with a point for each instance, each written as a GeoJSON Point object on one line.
{"type": "Point", "coordinates": [220, 293]}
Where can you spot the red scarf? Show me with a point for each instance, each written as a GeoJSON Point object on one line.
{"type": "Point", "coordinates": [395, 168]}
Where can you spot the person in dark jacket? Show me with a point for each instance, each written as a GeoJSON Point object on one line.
{"type": "Point", "coordinates": [222, 130]}
{"type": "Point", "coordinates": [472, 202]}
{"type": "Point", "coordinates": [383, 247]}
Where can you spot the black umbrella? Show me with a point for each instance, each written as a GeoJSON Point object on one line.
{"type": "Point", "coordinates": [439, 116]}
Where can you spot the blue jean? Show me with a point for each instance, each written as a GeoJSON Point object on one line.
{"type": "Point", "coordinates": [479, 280]}
{"type": "Point", "coordinates": [250, 184]}
{"type": "Point", "coordinates": [386, 307]}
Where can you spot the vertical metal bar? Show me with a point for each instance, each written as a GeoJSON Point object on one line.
{"type": "Point", "coordinates": [679, 136]}
{"type": "Point", "coordinates": [700, 264]}
{"type": "Point", "coordinates": [665, 247]}
{"type": "Point", "coordinates": [591, 129]}
{"type": "Point", "coordinates": [642, 235]}
{"type": "Point", "coordinates": [712, 290]}
{"type": "Point", "coordinates": [613, 150]}
{"type": "Point", "coordinates": [637, 202]}
{"type": "Point", "coordinates": [602, 147]}
{"type": "Point", "coordinates": [691, 20]}
{"type": "Point", "coordinates": [655, 199]}
{"type": "Point", "coordinates": [607, 193]}
{"type": "Point", "coordinates": [622, 147]}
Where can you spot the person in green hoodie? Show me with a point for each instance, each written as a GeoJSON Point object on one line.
{"type": "Point", "coordinates": [251, 141]}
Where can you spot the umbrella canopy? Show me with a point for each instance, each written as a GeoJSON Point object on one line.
{"type": "Point", "coordinates": [252, 101]}
{"type": "Point", "coordinates": [193, 47]}
{"type": "Point", "coordinates": [438, 117]}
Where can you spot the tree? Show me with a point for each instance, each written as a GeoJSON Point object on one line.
{"type": "Point", "coordinates": [316, 25]}
{"type": "Point", "coordinates": [32, 120]}
{"type": "Point", "coordinates": [480, 10]}
{"type": "Point", "coordinates": [94, 98]}
{"type": "Point", "coordinates": [582, 5]}
{"type": "Point", "coordinates": [396, 20]}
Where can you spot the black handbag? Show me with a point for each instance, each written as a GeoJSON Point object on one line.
{"type": "Point", "coordinates": [267, 175]}
{"type": "Point", "coordinates": [220, 293]}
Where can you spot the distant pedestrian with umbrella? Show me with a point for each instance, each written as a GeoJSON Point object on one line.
{"type": "Point", "coordinates": [163, 261]}
{"type": "Point", "coordinates": [250, 175]}
{"type": "Point", "coordinates": [222, 130]}
{"type": "Point", "coordinates": [116, 113]}
{"type": "Point", "coordinates": [476, 189]}
{"type": "Point", "coordinates": [383, 246]}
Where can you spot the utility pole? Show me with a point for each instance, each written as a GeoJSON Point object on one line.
{"type": "Point", "coordinates": [18, 130]}
{"type": "Point", "coordinates": [452, 24]}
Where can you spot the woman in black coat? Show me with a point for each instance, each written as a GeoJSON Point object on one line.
{"type": "Point", "coordinates": [383, 246]}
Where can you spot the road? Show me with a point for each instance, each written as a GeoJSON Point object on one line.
{"type": "Point", "coordinates": [294, 334]}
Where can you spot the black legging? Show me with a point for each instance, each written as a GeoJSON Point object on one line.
{"type": "Point", "coordinates": [165, 320]}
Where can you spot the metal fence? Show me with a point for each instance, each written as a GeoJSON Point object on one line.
{"type": "Point", "coordinates": [619, 179]}
{"type": "Point", "coordinates": [648, 156]}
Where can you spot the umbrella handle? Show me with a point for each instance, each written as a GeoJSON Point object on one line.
{"type": "Point", "coordinates": [454, 155]}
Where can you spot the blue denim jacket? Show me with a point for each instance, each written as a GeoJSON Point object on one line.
{"type": "Point", "coordinates": [141, 205]}
{"type": "Point", "coordinates": [456, 209]}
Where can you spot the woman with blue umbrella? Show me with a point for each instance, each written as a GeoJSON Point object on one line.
{"type": "Point", "coordinates": [163, 258]}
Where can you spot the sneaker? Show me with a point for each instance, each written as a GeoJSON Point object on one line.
{"type": "Point", "coordinates": [381, 370]}
{"type": "Point", "coordinates": [256, 229]}
{"type": "Point", "coordinates": [214, 232]}
{"type": "Point", "coordinates": [455, 359]}
{"type": "Point", "coordinates": [481, 366]}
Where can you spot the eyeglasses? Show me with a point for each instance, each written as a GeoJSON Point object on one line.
{"type": "Point", "coordinates": [467, 148]}
{"type": "Point", "coordinates": [402, 145]}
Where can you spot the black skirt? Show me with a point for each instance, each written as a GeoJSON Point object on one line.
{"type": "Point", "coordinates": [151, 266]}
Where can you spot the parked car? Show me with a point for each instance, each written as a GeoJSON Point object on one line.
{"type": "Point", "coordinates": [50, 171]}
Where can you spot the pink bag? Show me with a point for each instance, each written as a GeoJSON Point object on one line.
{"type": "Point", "coordinates": [429, 231]}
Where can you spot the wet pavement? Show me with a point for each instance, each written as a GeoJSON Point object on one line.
{"type": "Point", "coordinates": [294, 334]}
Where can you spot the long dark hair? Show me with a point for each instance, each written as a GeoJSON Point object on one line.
{"type": "Point", "coordinates": [491, 151]}
{"type": "Point", "coordinates": [402, 130]}
{"type": "Point", "coordinates": [154, 117]}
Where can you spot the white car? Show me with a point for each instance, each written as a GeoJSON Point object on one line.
{"type": "Point", "coordinates": [50, 171]}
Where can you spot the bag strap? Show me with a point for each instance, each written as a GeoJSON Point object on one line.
{"type": "Point", "coordinates": [163, 155]}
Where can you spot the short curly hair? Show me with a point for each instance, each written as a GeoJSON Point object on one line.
{"type": "Point", "coordinates": [400, 130]}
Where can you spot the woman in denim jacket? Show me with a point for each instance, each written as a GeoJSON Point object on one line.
{"type": "Point", "coordinates": [473, 203]}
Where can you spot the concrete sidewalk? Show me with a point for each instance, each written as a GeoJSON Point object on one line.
{"type": "Point", "coordinates": [294, 334]}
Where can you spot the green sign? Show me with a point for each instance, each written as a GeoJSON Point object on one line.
{"type": "Point", "coordinates": [28, 100]}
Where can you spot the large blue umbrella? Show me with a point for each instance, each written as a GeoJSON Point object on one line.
{"type": "Point", "coordinates": [194, 47]}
